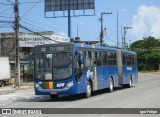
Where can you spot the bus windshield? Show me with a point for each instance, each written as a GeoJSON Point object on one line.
{"type": "Point", "coordinates": [56, 66]}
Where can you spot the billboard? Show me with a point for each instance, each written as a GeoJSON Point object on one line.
{"type": "Point", "coordinates": [33, 40]}
{"type": "Point", "coordinates": [62, 5]}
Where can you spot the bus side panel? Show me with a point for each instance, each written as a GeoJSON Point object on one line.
{"type": "Point", "coordinates": [82, 83]}
{"type": "Point", "coordinates": [125, 79]}
{"type": "Point", "coordinates": [87, 75]}
{"type": "Point", "coordinates": [100, 77]}
{"type": "Point", "coordinates": [106, 77]}
{"type": "Point", "coordinates": [134, 75]}
{"type": "Point", "coordinates": [113, 73]}
{"type": "Point", "coordinates": [130, 71]}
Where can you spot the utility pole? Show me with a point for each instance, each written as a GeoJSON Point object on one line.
{"type": "Point", "coordinates": [102, 30]}
{"type": "Point", "coordinates": [17, 63]}
{"type": "Point", "coordinates": [124, 38]}
{"type": "Point", "coordinates": [69, 20]}
{"type": "Point", "coordinates": [117, 32]}
{"type": "Point", "coordinates": [122, 10]}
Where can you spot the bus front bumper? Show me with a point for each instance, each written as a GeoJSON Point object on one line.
{"type": "Point", "coordinates": [64, 91]}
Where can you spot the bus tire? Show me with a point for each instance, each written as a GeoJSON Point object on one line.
{"type": "Point", "coordinates": [129, 85]}
{"type": "Point", "coordinates": [54, 97]}
{"type": "Point", "coordinates": [111, 85]}
{"type": "Point", "coordinates": [88, 90]}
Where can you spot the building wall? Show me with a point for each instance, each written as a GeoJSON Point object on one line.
{"type": "Point", "coordinates": [26, 43]}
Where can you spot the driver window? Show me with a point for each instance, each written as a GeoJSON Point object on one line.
{"type": "Point", "coordinates": [78, 64]}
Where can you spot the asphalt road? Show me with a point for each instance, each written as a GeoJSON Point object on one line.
{"type": "Point", "coordinates": [144, 94]}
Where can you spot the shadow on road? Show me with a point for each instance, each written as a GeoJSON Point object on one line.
{"type": "Point", "coordinates": [69, 97]}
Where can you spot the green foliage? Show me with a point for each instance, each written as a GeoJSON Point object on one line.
{"type": "Point", "coordinates": [148, 51]}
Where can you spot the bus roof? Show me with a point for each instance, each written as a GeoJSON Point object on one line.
{"type": "Point", "coordinates": [104, 48]}
{"type": "Point", "coordinates": [90, 46]}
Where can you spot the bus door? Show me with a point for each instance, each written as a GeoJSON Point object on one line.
{"type": "Point", "coordinates": [79, 70]}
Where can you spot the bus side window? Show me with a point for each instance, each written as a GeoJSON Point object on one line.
{"type": "Point", "coordinates": [88, 58]}
{"type": "Point", "coordinates": [104, 58]}
{"type": "Point", "coordinates": [79, 61]}
{"type": "Point", "coordinates": [129, 60]}
{"type": "Point", "coordinates": [123, 59]}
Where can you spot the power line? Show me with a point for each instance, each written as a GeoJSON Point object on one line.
{"type": "Point", "coordinates": [37, 33]}
{"type": "Point", "coordinates": [5, 10]}
{"type": "Point", "coordinates": [30, 9]}
{"type": "Point", "coordinates": [6, 22]}
{"type": "Point", "coordinates": [31, 28]}
{"type": "Point", "coordinates": [44, 24]}
{"type": "Point", "coordinates": [33, 25]}
{"type": "Point", "coordinates": [29, 2]}
{"type": "Point", "coordinates": [6, 17]}
{"type": "Point", "coordinates": [4, 4]}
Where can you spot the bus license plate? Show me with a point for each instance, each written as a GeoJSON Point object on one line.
{"type": "Point", "coordinates": [53, 93]}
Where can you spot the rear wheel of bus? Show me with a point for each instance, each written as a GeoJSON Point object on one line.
{"type": "Point", "coordinates": [111, 85]}
{"type": "Point", "coordinates": [129, 85]}
{"type": "Point", "coordinates": [89, 90]}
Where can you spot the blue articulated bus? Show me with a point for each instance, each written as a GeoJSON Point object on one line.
{"type": "Point", "coordinates": [69, 68]}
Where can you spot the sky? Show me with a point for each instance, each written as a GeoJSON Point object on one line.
{"type": "Point", "coordinates": [142, 15]}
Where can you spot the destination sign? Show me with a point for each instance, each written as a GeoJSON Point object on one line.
{"type": "Point", "coordinates": [53, 49]}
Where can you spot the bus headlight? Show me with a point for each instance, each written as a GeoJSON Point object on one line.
{"type": "Point", "coordinates": [69, 85]}
{"type": "Point", "coordinates": [37, 85]}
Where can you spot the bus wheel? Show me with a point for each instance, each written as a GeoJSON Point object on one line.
{"type": "Point", "coordinates": [54, 97]}
{"type": "Point", "coordinates": [89, 90]}
{"type": "Point", "coordinates": [130, 83]}
{"type": "Point", "coordinates": [111, 86]}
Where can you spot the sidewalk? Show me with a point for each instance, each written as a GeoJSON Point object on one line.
{"type": "Point", "coordinates": [10, 89]}
{"type": "Point", "coordinates": [150, 72]}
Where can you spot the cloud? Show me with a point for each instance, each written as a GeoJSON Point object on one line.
{"type": "Point", "coordinates": [146, 22]}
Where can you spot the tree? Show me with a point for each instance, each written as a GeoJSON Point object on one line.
{"type": "Point", "coordinates": [148, 52]}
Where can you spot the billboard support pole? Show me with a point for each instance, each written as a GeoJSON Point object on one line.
{"type": "Point", "coordinates": [69, 20]}
{"type": "Point", "coordinates": [68, 5]}
{"type": "Point", "coordinates": [69, 24]}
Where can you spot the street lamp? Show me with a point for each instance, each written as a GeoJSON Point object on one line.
{"type": "Point", "coordinates": [122, 10]}
{"type": "Point", "coordinates": [78, 28]}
